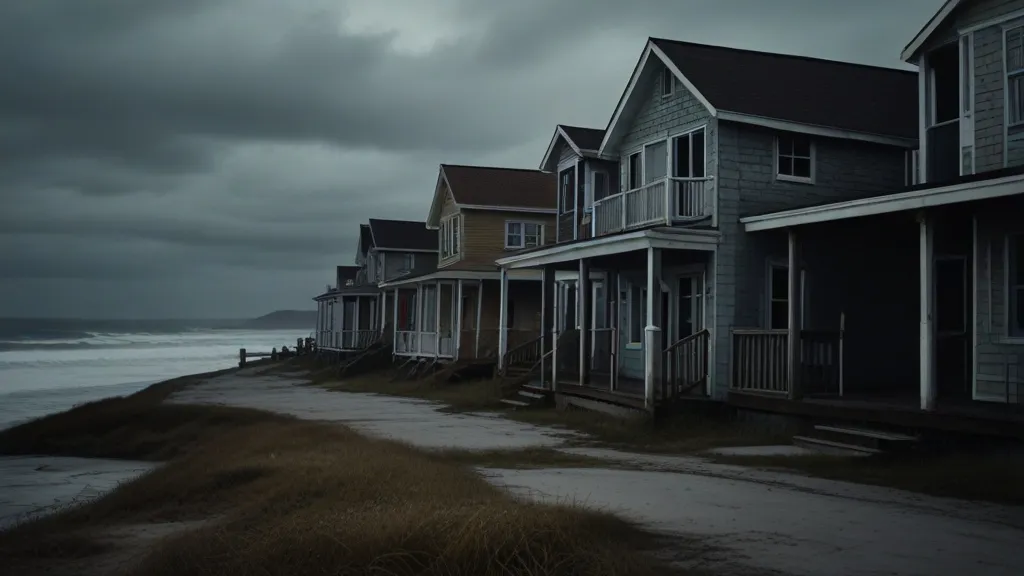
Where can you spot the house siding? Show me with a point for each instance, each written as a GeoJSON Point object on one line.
{"type": "Point", "coordinates": [567, 220]}
{"type": "Point", "coordinates": [394, 263]}
{"type": "Point", "coordinates": [447, 209]}
{"type": "Point", "coordinates": [484, 237]}
{"type": "Point", "coordinates": [844, 170]}
{"type": "Point", "coordinates": [995, 355]}
{"type": "Point", "coordinates": [989, 80]}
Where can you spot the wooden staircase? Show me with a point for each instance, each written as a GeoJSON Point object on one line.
{"type": "Point", "coordinates": [841, 440]}
{"type": "Point", "coordinates": [520, 377]}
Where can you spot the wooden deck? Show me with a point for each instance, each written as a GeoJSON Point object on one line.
{"type": "Point", "coordinates": [968, 417]}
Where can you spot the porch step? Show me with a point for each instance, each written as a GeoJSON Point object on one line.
{"type": "Point", "coordinates": [531, 395]}
{"type": "Point", "coordinates": [879, 440]}
{"type": "Point", "coordinates": [832, 448]}
{"type": "Point", "coordinates": [515, 403]}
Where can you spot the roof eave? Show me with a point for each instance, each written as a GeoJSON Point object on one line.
{"type": "Point", "coordinates": [817, 130]}
{"type": "Point", "coordinates": [910, 50]}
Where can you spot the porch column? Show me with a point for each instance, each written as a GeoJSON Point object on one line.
{"type": "Point", "coordinates": [927, 351]}
{"type": "Point", "coordinates": [382, 301]}
{"type": "Point", "coordinates": [614, 312]}
{"type": "Point", "coordinates": [457, 336]}
{"type": "Point", "coordinates": [341, 323]}
{"type": "Point", "coordinates": [547, 317]}
{"type": "Point", "coordinates": [652, 333]}
{"type": "Point", "coordinates": [437, 319]}
{"type": "Point", "coordinates": [583, 300]}
{"type": "Point", "coordinates": [796, 299]}
{"type": "Point", "coordinates": [479, 308]}
{"type": "Point", "coordinates": [419, 318]}
{"type": "Point", "coordinates": [503, 319]}
{"type": "Point", "coordinates": [394, 320]}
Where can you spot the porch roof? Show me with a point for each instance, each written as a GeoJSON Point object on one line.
{"type": "Point", "coordinates": [663, 237]}
{"type": "Point", "coordinates": [360, 290]}
{"type": "Point", "coordinates": [458, 275]}
{"type": "Point", "coordinates": [994, 184]}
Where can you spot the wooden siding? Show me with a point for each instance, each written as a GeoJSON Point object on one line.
{"type": "Point", "coordinates": [483, 238]}
{"type": "Point", "coordinates": [447, 209]}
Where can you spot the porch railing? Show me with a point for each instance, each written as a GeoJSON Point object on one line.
{"type": "Point", "coordinates": [685, 366]}
{"type": "Point", "coordinates": [524, 355]}
{"type": "Point", "coordinates": [406, 342]}
{"type": "Point", "coordinates": [661, 201]}
{"type": "Point", "coordinates": [759, 361]}
{"type": "Point", "coordinates": [821, 361]}
{"type": "Point", "coordinates": [359, 339]}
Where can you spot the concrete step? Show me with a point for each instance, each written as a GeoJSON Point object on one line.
{"type": "Point", "coordinates": [515, 403]}
{"type": "Point", "coordinates": [875, 439]}
{"type": "Point", "coordinates": [832, 448]}
{"type": "Point", "coordinates": [532, 395]}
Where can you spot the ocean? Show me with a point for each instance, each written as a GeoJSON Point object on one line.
{"type": "Point", "coordinates": [48, 366]}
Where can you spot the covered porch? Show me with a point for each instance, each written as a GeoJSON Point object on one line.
{"type": "Point", "coordinates": [350, 319]}
{"type": "Point", "coordinates": [907, 302]}
{"type": "Point", "coordinates": [603, 337]}
{"type": "Point", "coordinates": [453, 315]}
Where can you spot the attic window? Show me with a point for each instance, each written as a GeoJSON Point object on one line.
{"type": "Point", "coordinates": [668, 82]}
{"type": "Point", "coordinates": [794, 158]}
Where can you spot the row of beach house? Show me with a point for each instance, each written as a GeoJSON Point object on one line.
{"type": "Point", "coordinates": [785, 234]}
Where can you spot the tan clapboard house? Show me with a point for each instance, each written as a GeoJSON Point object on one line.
{"type": "Point", "coordinates": [480, 214]}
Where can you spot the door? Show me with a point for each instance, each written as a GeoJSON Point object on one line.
{"type": "Point", "coordinates": [952, 341]}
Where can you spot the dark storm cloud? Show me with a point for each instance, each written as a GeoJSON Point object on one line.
{"type": "Point", "coordinates": [214, 157]}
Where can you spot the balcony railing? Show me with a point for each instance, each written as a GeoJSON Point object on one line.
{"type": "Point", "coordinates": [660, 202]}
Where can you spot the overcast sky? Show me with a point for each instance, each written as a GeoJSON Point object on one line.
{"type": "Point", "coordinates": [213, 158]}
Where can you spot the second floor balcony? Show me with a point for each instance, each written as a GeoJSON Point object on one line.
{"type": "Point", "coordinates": [664, 201]}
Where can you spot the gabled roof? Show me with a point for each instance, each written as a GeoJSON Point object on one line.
{"type": "Point", "coordinates": [490, 188]}
{"type": "Point", "coordinates": [585, 142]}
{"type": "Point", "coordinates": [406, 235]}
{"type": "Point", "coordinates": [910, 50]}
{"type": "Point", "coordinates": [798, 93]}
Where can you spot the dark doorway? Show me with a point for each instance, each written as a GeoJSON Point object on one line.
{"type": "Point", "coordinates": [952, 334]}
{"type": "Point", "coordinates": [664, 320]}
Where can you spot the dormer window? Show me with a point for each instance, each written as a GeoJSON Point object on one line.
{"type": "Point", "coordinates": [566, 189]}
{"type": "Point", "coordinates": [668, 82]}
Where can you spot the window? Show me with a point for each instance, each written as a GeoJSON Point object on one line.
{"type": "Point", "coordinates": [566, 190]}
{"type": "Point", "coordinates": [778, 297]}
{"type": "Point", "coordinates": [655, 161]}
{"type": "Point", "coordinates": [379, 261]}
{"type": "Point", "coordinates": [637, 313]}
{"type": "Point", "coordinates": [668, 82]}
{"type": "Point", "coordinates": [1014, 41]}
{"type": "Point", "coordinates": [523, 235]}
{"type": "Point", "coordinates": [408, 262]}
{"type": "Point", "coordinates": [794, 157]}
{"type": "Point", "coordinates": [449, 237]}
{"type": "Point", "coordinates": [635, 173]}
{"type": "Point", "coordinates": [688, 159]}
{"type": "Point", "coordinates": [1015, 285]}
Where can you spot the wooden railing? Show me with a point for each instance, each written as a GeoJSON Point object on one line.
{"type": "Point", "coordinates": [821, 362]}
{"type": "Point", "coordinates": [686, 366]}
{"type": "Point", "coordinates": [759, 361]}
{"type": "Point", "coordinates": [406, 342]}
{"type": "Point", "coordinates": [525, 355]}
{"type": "Point", "coordinates": [661, 201]}
{"type": "Point", "coordinates": [359, 339]}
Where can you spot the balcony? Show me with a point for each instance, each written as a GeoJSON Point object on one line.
{"type": "Point", "coordinates": [663, 201]}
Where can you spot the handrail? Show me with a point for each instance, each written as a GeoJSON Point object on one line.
{"type": "Point", "coordinates": [525, 352]}
{"type": "Point", "coordinates": [686, 365]}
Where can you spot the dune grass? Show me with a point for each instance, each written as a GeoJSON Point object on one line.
{"type": "Point", "coordinates": [255, 493]}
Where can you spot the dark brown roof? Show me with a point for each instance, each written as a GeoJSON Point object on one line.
{"type": "Point", "coordinates": [842, 95]}
{"type": "Point", "coordinates": [504, 187]}
{"type": "Point", "coordinates": [584, 138]}
{"type": "Point", "coordinates": [402, 235]}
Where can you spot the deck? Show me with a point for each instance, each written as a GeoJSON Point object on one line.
{"type": "Point", "coordinates": [968, 417]}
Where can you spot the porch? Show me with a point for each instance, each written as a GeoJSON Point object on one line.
{"type": "Point", "coordinates": [454, 315]}
{"type": "Point", "coordinates": [603, 338]}
{"type": "Point", "coordinates": [663, 201]}
{"type": "Point", "coordinates": [352, 321]}
{"type": "Point", "coordinates": [898, 316]}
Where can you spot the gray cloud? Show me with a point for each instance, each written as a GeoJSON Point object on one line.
{"type": "Point", "coordinates": [213, 157]}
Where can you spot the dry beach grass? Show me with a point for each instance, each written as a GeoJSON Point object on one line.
{"type": "Point", "coordinates": [247, 492]}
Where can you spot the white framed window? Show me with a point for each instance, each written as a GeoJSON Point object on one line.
{"type": "Point", "coordinates": [520, 235]}
{"type": "Point", "coordinates": [567, 189]}
{"type": "Point", "coordinates": [1013, 40]}
{"type": "Point", "coordinates": [689, 154]}
{"type": "Point", "coordinates": [408, 261]}
{"type": "Point", "coordinates": [778, 297]}
{"type": "Point", "coordinates": [668, 82]}
{"type": "Point", "coordinates": [448, 239]}
{"type": "Point", "coordinates": [1015, 285]}
{"type": "Point", "coordinates": [637, 317]}
{"type": "Point", "coordinates": [794, 157]}
{"type": "Point", "coordinates": [634, 171]}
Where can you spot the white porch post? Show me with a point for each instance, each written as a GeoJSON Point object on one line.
{"type": "Point", "coordinates": [796, 299]}
{"type": "Point", "coordinates": [341, 322]}
{"type": "Point", "coordinates": [479, 309]}
{"type": "Point", "coordinates": [927, 261]}
{"type": "Point", "coordinates": [419, 318]}
{"type": "Point", "coordinates": [394, 320]}
{"type": "Point", "coordinates": [503, 319]}
{"type": "Point", "coordinates": [556, 308]}
{"type": "Point", "coordinates": [382, 301]}
{"type": "Point", "coordinates": [614, 315]}
{"type": "Point", "coordinates": [652, 340]}
{"type": "Point", "coordinates": [457, 336]}
{"type": "Point", "coordinates": [437, 318]}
